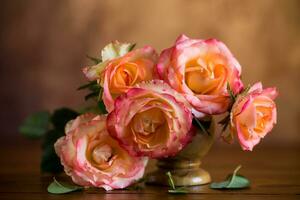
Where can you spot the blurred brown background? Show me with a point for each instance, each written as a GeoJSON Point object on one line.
{"type": "Point", "coordinates": [44, 43]}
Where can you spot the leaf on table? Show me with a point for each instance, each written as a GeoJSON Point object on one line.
{"type": "Point", "coordinates": [180, 190]}
{"type": "Point", "coordinates": [233, 181]}
{"type": "Point", "coordinates": [35, 125]}
{"type": "Point", "coordinates": [62, 188]}
{"type": "Point", "coordinates": [174, 190]}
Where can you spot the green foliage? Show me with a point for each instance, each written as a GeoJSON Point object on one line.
{"type": "Point", "coordinates": [203, 125]}
{"type": "Point", "coordinates": [95, 60]}
{"type": "Point", "coordinates": [38, 126]}
{"type": "Point", "coordinates": [87, 86]}
{"type": "Point", "coordinates": [35, 125]}
{"type": "Point", "coordinates": [62, 188]}
{"type": "Point", "coordinates": [95, 90]}
{"type": "Point", "coordinates": [246, 90]}
{"type": "Point", "coordinates": [233, 181]}
{"type": "Point", "coordinates": [231, 94]}
{"type": "Point", "coordinates": [50, 161]}
{"type": "Point", "coordinates": [91, 95]}
{"type": "Point", "coordinates": [132, 47]}
{"type": "Point", "coordinates": [170, 180]}
{"type": "Point", "coordinates": [61, 116]}
{"type": "Point", "coordinates": [101, 107]}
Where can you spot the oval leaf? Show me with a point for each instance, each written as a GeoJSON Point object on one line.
{"type": "Point", "coordinates": [35, 125]}
{"type": "Point", "coordinates": [61, 188]}
{"type": "Point", "coordinates": [238, 182]}
{"type": "Point", "coordinates": [178, 191]}
{"type": "Point", "coordinates": [233, 181]}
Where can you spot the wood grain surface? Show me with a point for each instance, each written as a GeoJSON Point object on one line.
{"type": "Point", "coordinates": [273, 172]}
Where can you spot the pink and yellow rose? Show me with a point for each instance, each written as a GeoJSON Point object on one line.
{"type": "Point", "coordinates": [200, 70]}
{"type": "Point", "coordinates": [152, 120]}
{"type": "Point", "coordinates": [121, 69]}
{"type": "Point", "coordinates": [253, 115]}
{"type": "Point", "coordinates": [93, 158]}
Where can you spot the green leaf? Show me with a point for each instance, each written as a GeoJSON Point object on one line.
{"type": "Point", "coordinates": [95, 60]}
{"type": "Point", "coordinates": [204, 126]}
{"type": "Point", "coordinates": [87, 85]}
{"type": "Point", "coordinates": [238, 182]}
{"type": "Point", "coordinates": [246, 90]}
{"type": "Point", "coordinates": [51, 137]}
{"type": "Point", "coordinates": [35, 125]}
{"type": "Point", "coordinates": [91, 95]}
{"type": "Point", "coordinates": [101, 107]}
{"type": "Point", "coordinates": [180, 190]}
{"type": "Point", "coordinates": [170, 180]}
{"type": "Point", "coordinates": [50, 161]}
{"type": "Point", "coordinates": [62, 188]}
{"type": "Point", "coordinates": [219, 185]}
{"type": "Point", "coordinates": [61, 116]}
{"type": "Point", "coordinates": [174, 190]}
{"type": "Point", "coordinates": [132, 47]}
{"type": "Point", "coordinates": [231, 94]}
{"type": "Point", "coordinates": [233, 181]}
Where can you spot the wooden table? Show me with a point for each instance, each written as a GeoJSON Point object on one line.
{"type": "Point", "coordinates": [273, 171]}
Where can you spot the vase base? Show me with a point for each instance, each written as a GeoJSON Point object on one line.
{"type": "Point", "coordinates": [181, 177]}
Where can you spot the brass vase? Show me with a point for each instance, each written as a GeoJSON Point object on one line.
{"type": "Point", "coordinates": [185, 167]}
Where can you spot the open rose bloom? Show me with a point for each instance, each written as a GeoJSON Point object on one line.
{"type": "Point", "coordinates": [254, 115]}
{"type": "Point", "coordinates": [151, 120]}
{"type": "Point", "coordinates": [93, 158]}
{"type": "Point", "coordinates": [200, 70]}
{"type": "Point", "coordinates": [151, 101]}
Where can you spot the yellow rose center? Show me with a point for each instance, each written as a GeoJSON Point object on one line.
{"type": "Point", "coordinates": [263, 116]}
{"type": "Point", "coordinates": [128, 74]}
{"type": "Point", "coordinates": [102, 154]}
{"type": "Point", "coordinates": [150, 127]}
{"type": "Point", "coordinates": [204, 75]}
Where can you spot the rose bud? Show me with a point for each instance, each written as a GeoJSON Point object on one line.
{"type": "Point", "coordinates": [253, 115]}
{"type": "Point", "coordinates": [121, 69]}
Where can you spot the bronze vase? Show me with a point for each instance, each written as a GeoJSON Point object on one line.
{"type": "Point", "coordinates": [185, 167]}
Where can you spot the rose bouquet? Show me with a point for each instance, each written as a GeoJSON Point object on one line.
{"type": "Point", "coordinates": [145, 107]}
